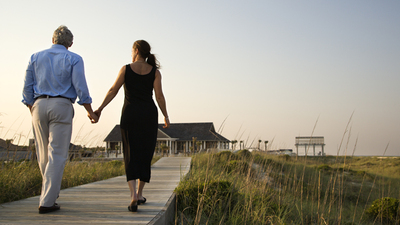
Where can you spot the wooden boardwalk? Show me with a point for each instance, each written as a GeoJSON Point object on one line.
{"type": "Point", "coordinates": [105, 202]}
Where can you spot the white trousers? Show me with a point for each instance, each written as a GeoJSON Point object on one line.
{"type": "Point", "coordinates": [52, 128]}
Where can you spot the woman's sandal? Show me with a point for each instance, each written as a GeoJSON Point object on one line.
{"type": "Point", "coordinates": [133, 206]}
{"type": "Point", "coordinates": [141, 201]}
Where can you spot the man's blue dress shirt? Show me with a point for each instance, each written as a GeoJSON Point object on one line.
{"type": "Point", "coordinates": [56, 72]}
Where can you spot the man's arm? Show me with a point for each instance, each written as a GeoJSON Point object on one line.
{"type": "Point", "coordinates": [27, 92]}
{"type": "Point", "coordinates": [82, 90]}
{"type": "Point", "coordinates": [79, 83]}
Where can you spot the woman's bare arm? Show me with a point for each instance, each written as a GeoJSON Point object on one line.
{"type": "Point", "coordinates": [113, 90]}
{"type": "Point", "coordinates": [160, 98]}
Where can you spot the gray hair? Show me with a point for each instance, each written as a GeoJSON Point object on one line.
{"type": "Point", "coordinates": [63, 36]}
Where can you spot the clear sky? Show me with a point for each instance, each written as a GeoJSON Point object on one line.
{"type": "Point", "coordinates": [260, 70]}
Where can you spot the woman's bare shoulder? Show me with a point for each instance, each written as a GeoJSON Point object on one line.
{"type": "Point", "coordinates": [158, 73]}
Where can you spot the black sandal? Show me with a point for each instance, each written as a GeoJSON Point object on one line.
{"type": "Point", "coordinates": [141, 201]}
{"type": "Point", "coordinates": [133, 208]}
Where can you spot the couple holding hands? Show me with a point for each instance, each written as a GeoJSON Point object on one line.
{"type": "Point", "coordinates": [55, 78]}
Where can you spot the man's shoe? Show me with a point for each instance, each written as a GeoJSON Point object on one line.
{"type": "Point", "coordinates": [43, 209]}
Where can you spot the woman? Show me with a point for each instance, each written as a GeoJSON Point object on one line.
{"type": "Point", "coordinates": [139, 119]}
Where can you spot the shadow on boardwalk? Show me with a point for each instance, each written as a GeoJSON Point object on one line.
{"type": "Point", "coordinates": [104, 202]}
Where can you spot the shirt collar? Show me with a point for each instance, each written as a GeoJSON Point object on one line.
{"type": "Point", "coordinates": [58, 46]}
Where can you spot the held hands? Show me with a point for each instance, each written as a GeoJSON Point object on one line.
{"type": "Point", "coordinates": [93, 117]}
{"type": "Point", "coordinates": [98, 113]}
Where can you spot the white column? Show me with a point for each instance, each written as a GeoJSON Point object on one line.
{"type": "Point", "coordinates": [170, 146]}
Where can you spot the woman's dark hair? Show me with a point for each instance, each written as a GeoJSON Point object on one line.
{"type": "Point", "coordinates": [145, 51]}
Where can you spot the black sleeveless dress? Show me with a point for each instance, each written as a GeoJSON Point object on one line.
{"type": "Point", "coordinates": [139, 124]}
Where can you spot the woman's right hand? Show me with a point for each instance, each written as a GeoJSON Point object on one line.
{"type": "Point", "coordinates": [166, 122]}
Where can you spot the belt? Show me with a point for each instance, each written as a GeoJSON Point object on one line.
{"type": "Point", "coordinates": [48, 96]}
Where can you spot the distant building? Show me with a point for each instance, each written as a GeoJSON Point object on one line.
{"type": "Point", "coordinates": [179, 138]}
{"type": "Point", "coordinates": [281, 152]}
{"type": "Point", "coordinates": [9, 151]}
{"type": "Point", "coordinates": [74, 151]}
{"type": "Point", "coordinates": [308, 142]}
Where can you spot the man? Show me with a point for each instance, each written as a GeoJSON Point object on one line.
{"type": "Point", "coordinates": [54, 79]}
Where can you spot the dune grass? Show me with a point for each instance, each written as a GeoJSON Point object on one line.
{"type": "Point", "coordinates": [256, 188]}
{"type": "Point", "coordinates": [19, 180]}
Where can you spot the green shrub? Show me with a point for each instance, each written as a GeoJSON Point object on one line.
{"type": "Point", "coordinates": [237, 166]}
{"type": "Point", "coordinates": [262, 160]}
{"type": "Point", "coordinates": [225, 156]}
{"type": "Point", "coordinates": [116, 163]}
{"type": "Point", "coordinates": [270, 161]}
{"type": "Point", "coordinates": [285, 157]}
{"type": "Point", "coordinates": [386, 209]}
{"type": "Point", "coordinates": [362, 173]}
{"type": "Point", "coordinates": [244, 154]}
{"type": "Point", "coordinates": [19, 180]}
{"type": "Point", "coordinates": [268, 203]}
{"type": "Point", "coordinates": [340, 169]}
{"type": "Point", "coordinates": [324, 168]}
{"type": "Point", "coordinates": [259, 159]}
{"type": "Point", "coordinates": [205, 197]}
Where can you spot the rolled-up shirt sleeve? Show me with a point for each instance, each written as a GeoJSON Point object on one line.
{"type": "Point", "coordinates": [79, 83]}
{"type": "Point", "coordinates": [28, 92]}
